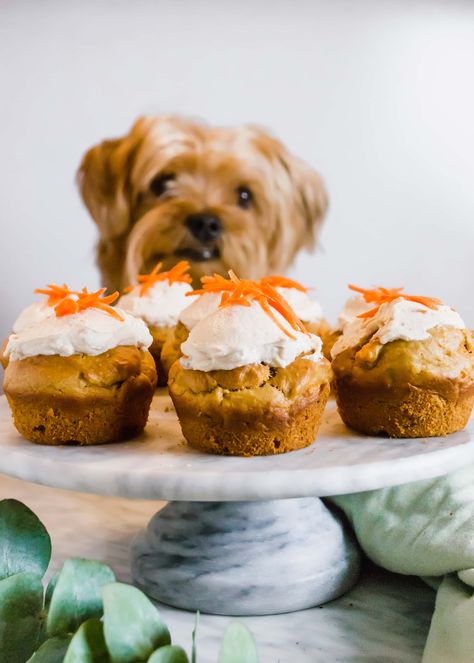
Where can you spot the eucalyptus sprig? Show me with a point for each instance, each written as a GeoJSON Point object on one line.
{"type": "Point", "coordinates": [84, 616]}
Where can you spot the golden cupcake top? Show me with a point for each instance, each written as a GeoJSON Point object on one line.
{"type": "Point", "coordinates": [390, 314]}
{"type": "Point", "coordinates": [160, 296]}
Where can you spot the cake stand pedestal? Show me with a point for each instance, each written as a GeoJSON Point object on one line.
{"type": "Point", "coordinates": [242, 536]}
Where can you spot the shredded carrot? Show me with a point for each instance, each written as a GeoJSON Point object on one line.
{"type": "Point", "coordinates": [379, 296]}
{"type": "Point", "coordinates": [242, 292]}
{"type": "Point", "coordinates": [282, 282]}
{"type": "Point", "coordinates": [177, 274]}
{"type": "Point", "coordinates": [55, 293]}
{"type": "Point", "coordinates": [66, 306]}
{"type": "Point", "coordinates": [215, 283]}
{"type": "Point", "coordinates": [85, 300]}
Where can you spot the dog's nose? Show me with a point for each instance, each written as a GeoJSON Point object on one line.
{"type": "Point", "coordinates": [204, 227]}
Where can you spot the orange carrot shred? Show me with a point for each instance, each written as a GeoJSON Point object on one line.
{"type": "Point", "coordinates": [177, 274]}
{"type": "Point", "coordinates": [242, 292]}
{"type": "Point", "coordinates": [67, 302]}
{"type": "Point", "coordinates": [55, 293]}
{"type": "Point", "coordinates": [379, 296]}
{"type": "Point", "coordinates": [283, 282]}
{"type": "Point", "coordinates": [66, 306]}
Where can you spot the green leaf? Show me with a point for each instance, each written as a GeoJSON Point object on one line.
{"type": "Point", "coordinates": [50, 589]}
{"type": "Point", "coordinates": [88, 644]}
{"type": "Point", "coordinates": [24, 542]}
{"type": "Point", "coordinates": [169, 654]}
{"type": "Point", "coordinates": [195, 630]}
{"type": "Point", "coordinates": [21, 603]}
{"type": "Point", "coordinates": [51, 651]}
{"type": "Point", "coordinates": [77, 595]}
{"type": "Point", "coordinates": [133, 627]}
{"type": "Point", "coordinates": [238, 645]}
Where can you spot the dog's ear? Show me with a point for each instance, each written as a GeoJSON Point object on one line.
{"type": "Point", "coordinates": [298, 200]}
{"type": "Point", "coordinates": [104, 181]}
{"type": "Point", "coordinates": [310, 199]}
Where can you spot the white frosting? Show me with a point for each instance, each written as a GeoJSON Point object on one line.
{"type": "Point", "coordinates": [352, 308]}
{"type": "Point", "coordinates": [161, 304]}
{"type": "Point", "coordinates": [89, 332]}
{"type": "Point", "coordinates": [32, 315]}
{"type": "Point", "coordinates": [239, 335]}
{"type": "Point", "coordinates": [200, 308]}
{"type": "Point", "coordinates": [397, 320]}
{"type": "Point", "coordinates": [305, 308]}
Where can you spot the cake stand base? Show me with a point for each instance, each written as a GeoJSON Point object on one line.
{"type": "Point", "coordinates": [245, 558]}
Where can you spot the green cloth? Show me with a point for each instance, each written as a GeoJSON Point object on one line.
{"type": "Point", "coordinates": [427, 529]}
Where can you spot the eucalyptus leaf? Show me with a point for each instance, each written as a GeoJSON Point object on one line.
{"type": "Point", "coordinates": [77, 595]}
{"type": "Point", "coordinates": [133, 627]}
{"type": "Point", "coordinates": [169, 654]}
{"type": "Point", "coordinates": [238, 645]}
{"type": "Point", "coordinates": [50, 589]}
{"type": "Point", "coordinates": [21, 604]}
{"type": "Point", "coordinates": [51, 651]}
{"type": "Point", "coordinates": [24, 542]}
{"type": "Point", "coordinates": [88, 644]}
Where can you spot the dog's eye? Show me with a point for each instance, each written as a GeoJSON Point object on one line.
{"type": "Point", "coordinates": [159, 184]}
{"type": "Point", "coordinates": [244, 197]}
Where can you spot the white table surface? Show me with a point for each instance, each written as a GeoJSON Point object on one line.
{"type": "Point", "coordinates": [384, 619]}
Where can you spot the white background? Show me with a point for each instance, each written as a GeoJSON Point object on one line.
{"type": "Point", "coordinates": [379, 96]}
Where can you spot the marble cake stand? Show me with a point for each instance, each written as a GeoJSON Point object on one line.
{"type": "Point", "coordinates": [234, 540]}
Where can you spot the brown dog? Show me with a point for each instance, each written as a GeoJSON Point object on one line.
{"type": "Point", "coordinates": [221, 198]}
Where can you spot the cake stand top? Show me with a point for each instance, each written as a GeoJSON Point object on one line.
{"type": "Point", "coordinates": [160, 465]}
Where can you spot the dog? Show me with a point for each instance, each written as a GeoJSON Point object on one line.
{"type": "Point", "coordinates": [221, 198]}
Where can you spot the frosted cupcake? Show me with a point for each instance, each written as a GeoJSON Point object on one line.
{"type": "Point", "coordinates": [78, 370]}
{"type": "Point", "coordinates": [252, 380]}
{"type": "Point", "coordinates": [404, 367]}
{"type": "Point", "coordinates": [208, 299]}
{"type": "Point", "coordinates": [158, 299]}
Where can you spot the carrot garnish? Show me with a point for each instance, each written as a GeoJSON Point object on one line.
{"type": "Point", "coordinates": [87, 300]}
{"type": "Point", "coordinates": [67, 302]}
{"type": "Point", "coordinates": [379, 296]}
{"type": "Point", "coordinates": [243, 292]}
{"type": "Point", "coordinates": [215, 283]}
{"type": "Point", "coordinates": [283, 282]}
{"type": "Point", "coordinates": [55, 293]}
{"type": "Point", "coordinates": [177, 274]}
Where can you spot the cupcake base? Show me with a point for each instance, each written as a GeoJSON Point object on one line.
{"type": "Point", "coordinates": [249, 436]}
{"type": "Point", "coordinates": [81, 399]}
{"type": "Point", "coordinates": [402, 413]}
{"type": "Point", "coordinates": [253, 410]}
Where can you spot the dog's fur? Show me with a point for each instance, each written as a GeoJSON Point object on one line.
{"type": "Point", "coordinates": [208, 165]}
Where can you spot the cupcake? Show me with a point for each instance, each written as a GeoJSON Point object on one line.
{"type": "Point", "coordinates": [158, 299]}
{"type": "Point", "coordinates": [251, 381]}
{"type": "Point", "coordinates": [78, 370]}
{"type": "Point", "coordinates": [404, 367]}
{"type": "Point", "coordinates": [208, 300]}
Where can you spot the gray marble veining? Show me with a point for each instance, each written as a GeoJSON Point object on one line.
{"type": "Point", "coordinates": [245, 558]}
